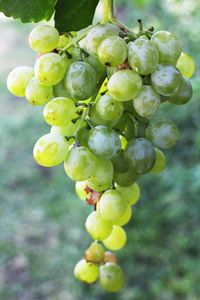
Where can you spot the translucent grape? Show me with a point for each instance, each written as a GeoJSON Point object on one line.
{"type": "Point", "coordinates": [184, 93]}
{"type": "Point", "coordinates": [143, 56]}
{"type": "Point", "coordinates": [126, 178]}
{"type": "Point", "coordinates": [50, 150]}
{"type": "Point", "coordinates": [66, 130]}
{"type": "Point", "coordinates": [168, 45]}
{"type": "Point", "coordinates": [129, 87]}
{"type": "Point", "coordinates": [163, 133]}
{"type": "Point", "coordinates": [86, 271]}
{"type": "Point", "coordinates": [116, 240]}
{"type": "Point", "coordinates": [111, 277]}
{"type": "Point", "coordinates": [43, 38]}
{"type": "Point", "coordinates": [80, 81]}
{"type": "Point", "coordinates": [38, 94]}
{"type": "Point", "coordinates": [130, 193]}
{"type": "Point", "coordinates": [112, 206]}
{"type": "Point", "coordinates": [97, 226]}
{"type": "Point", "coordinates": [97, 120]}
{"type": "Point", "coordinates": [160, 162]}
{"type": "Point", "coordinates": [50, 68]}
{"type": "Point", "coordinates": [59, 111]}
{"type": "Point", "coordinates": [80, 164]}
{"type": "Point", "coordinates": [186, 65]}
{"type": "Point", "coordinates": [125, 218]}
{"type": "Point", "coordinates": [108, 108]}
{"type": "Point", "coordinates": [147, 102]}
{"type": "Point", "coordinates": [112, 51]}
{"type": "Point", "coordinates": [18, 80]}
{"type": "Point", "coordinates": [104, 142]}
{"type": "Point", "coordinates": [140, 155]}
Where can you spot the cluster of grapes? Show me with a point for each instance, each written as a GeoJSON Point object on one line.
{"type": "Point", "coordinates": [100, 88]}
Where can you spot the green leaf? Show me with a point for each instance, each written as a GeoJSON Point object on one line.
{"type": "Point", "coordinates": [73, 15]}
{"type": "Point", "coordinates": [27, 10]}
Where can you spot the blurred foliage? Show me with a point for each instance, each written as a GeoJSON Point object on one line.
{"type": "Point", "coordinates": [42, 221]}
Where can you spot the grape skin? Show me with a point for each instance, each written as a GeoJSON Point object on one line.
{"type": "Point", "coordinates": [108, 108]}
{"type": "Point", "coordinates": [160, 162]}
{"type": "Point", "coordinates": [86, 271]}
{"type": "Point", "coordinates": [130, 193]}
{"type": "Point", "coordinates": [38, 94]}
{"type": "Point", "coordinates": [186, 65]}
{"type": "Point", "coordinates": [116, 240]}
{"type": "Point", "coordinates": [111, 277]}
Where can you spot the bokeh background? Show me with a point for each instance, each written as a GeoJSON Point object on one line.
{"type": "Point", "coordinates": [42, 232]}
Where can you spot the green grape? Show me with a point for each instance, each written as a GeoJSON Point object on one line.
{"type": "Point", "coordinates": [131, 193]}
{"type": "Point", "coordinates": [50, 150]}
{"type": "Point", "coordinates": [160, 162]}
{"type": "Point", "coordinates": [97, 120]}
{"type": "Point", "coordinates": [147, 102]}
{"type": "Point", "coordinates": [59, 111]}
{"type": "Point", "coordinates": [112, 51]}
{"type": "Point", "coordinates": [43, 38]}
{"type": "Point", "coordinates": [116, 240]}
{"type": "Point", "coordinates": [129, 87]}
{"type": "Point", "coordinates": [109, 109]}
{"type": "Point", "coordinates": [184, 93]}
{"type": "Point", "coordinates": [97, 226]}
{"type": "Point", "coordinates": [18, 80]}
{"type": "Point", "coordinates": [95, 253]}
{"type": "Point", "coordinates": [97, 34]}
{"type": "Point", "coordinates": [119, 163]}
{"type": "Point", "coordinates": [59, 90]}
{"type": "Point", "coordinates": [63, 41]}
{"type": "Point", "coordinates": [126, 178]}
{"type": "Point", "coordinates": [50, 68]}
{"type": "Point", "coordinates": [112, 206]}
{"type": "Point", "coordinates": [111, 277]}
{"type": "Point", "coordinates": [140, 155]}
{"type": "Point", "coordinates": [80, 81]}
{"type": "Point", "coordinates": [104, 142]}
{"type": "Point", "coordinates": [111, 70]}
{"type": "Point", "coordinates": [166, 80]}
{"type": "Point", "coordinates": [103, 175]}
{"type": "Point", "coordinates": [186, 65]}
{"type": "Point", "coordinates": [38, 94]}
{"type": "Point", "coordinates": [67, 130]}
{"type": "Point", "coordinates": [86, 271]}
{"type": "Point", "coordinates": [126, 125]}
{"type": "Point", "coordinates": [80, 187]}
{"type": "Point", "coordinates": [82, 136]}
{"type": "Point", "coordinates": [143, 56]}
{"type": "Point", "coordinates": [163, 133]}
{"type": "Point", "coordinates": [96, 64]}
{"type": "Point", "coordinates": [80, 164]}
{"type": "Point", "coordinates": [168, 45]}
{"type": "Point", "coordinates": [123, 141]}
{"type": "Point", "coordinates": [125, 218]}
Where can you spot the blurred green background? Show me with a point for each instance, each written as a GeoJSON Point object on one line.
{"type": "Point", "coordinates": [42, 232]}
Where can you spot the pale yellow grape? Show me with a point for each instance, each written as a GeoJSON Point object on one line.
{"type": "Point", "coordinates": [95, 253]}
{"type": "Point", "coordinates": [50, 68]}
{"type": "Point", "coordinates": [129, 193]}
{"type": "Point", "coordinates": [80, 189]}
{"type": "Point", "coordinates": [86, 271]}
{"type": "Point", "coordinates": [59, 111]}
{"type": "Point", "coordinates": [43, 38]}
{"type": "Point", "coordinates": [160, 162]}
{"type": "Point", "coordinates": [116, 240]}
{"type": "Point", "coordinates": [112, 206]}
{"type": "Point", "coordinates": [186, 65]}
{"type": "Point", "coordinates": [50, 150]}
{"type": "Point", "coordinates": [124, 218]}
{"type": "Point", "coordinates": [18, 80]}
{"type": "Point", "coordinates": [66, 130]}
{"type": "Point", "coordinates": [38, 94]}
{"type": "Point", "coordinates": [97, 226]}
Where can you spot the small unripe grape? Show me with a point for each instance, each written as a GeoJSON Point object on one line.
{"type": "Point", "coordinates": [163, 133]}
{"type": "Point", "coordinates": [38, 94]}
{"type": "Point", "coordinates": [129, 87]}
{"type": "Point", "coordinates": [111, 277]}
{"type": "Point", "coordinates": [166, 80]}
{"type": "Point", "coordinates": [80, 187]}
{"type": "Point", "coordinates": [112, 51]}
{"type": "Point", "coordinates": [143, 56]}
{"type": "Point", "coordinates": [130, 193]}
{"type": "Point", "coordinates": [18, 80]}
{"type": "Point", "coordinates": [95, 253]}
{"type": "Point", "coordinates": [108, 108]}
{"type": "Point", "coordinates": [184, 93]}
{"type": "Point", "coordinates": [116, 240]}
{"type": "Point", "coordinates": [44, 38]}
{"type": "Point", "coordinates": [186, 65]}
{"type": "Point", "coordinates": [97, 226]}
{"type": "Point", "coordinates": [50, 150]}
{"type": "Point", "coordinates": [104, 142]}
{"type": "Point", "coordinates": [86, 271]}
{"type": "Point", "coordinates": [147, 102]}
{"type": "Point", "coordinates": [160, 162]}
{"type": "Point", "coordinates": [168, 45]}
{"type": "Point", "coordinates": [50, 68]}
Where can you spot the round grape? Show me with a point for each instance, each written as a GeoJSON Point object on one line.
{"type": "Point", "coordinates": [108, 108]}
{"type": "Point", "coordinates": [38, 94]}
{"type": "Point", "coordinates": [184, 93]}
{"type": "Point", "coordinates": [186, 65]}
{"type": "Point", "coordinates": [160, 162]}
{"type": "Point", "coordinates": [125, 218]}
{"type": "Point", "coordinates": [86, 271]}
{"type": "Point", "coordinates": [111, 277]}
{"type": "Point", "coordinates": [116, 240]}
{"type": "Point", "coordinates": [126, 178]}
{"type": "Point", "coordinates": [130, 193]}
